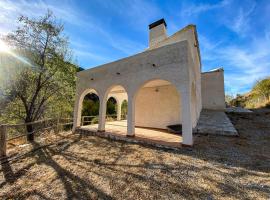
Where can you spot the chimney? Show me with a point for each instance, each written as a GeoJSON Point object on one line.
{"type": "Point", "coordinates": [157, 32]}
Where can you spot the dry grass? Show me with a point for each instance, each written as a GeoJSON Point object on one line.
{"type": "Point", "coordinates": [87, 167]}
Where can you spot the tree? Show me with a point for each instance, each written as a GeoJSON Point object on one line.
{"type": "Point", "coordinates": [90, 105]}
{"type": "Point", "coordinates": [111, 106]}
{"type": "Point", "coordinates": [45, 76]}
{"type": "Point", "coordinates": [124, 107]}
{"type": "Point", "coordinates": [262, 88]}
{"type": "Point", "coordinates": [228, 99]}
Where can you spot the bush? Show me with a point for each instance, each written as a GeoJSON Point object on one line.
{"type": "Point", "coordinates": [267, 105]}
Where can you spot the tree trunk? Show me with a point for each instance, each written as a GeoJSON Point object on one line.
{"type": "Point", "coordinates": [30, 135]}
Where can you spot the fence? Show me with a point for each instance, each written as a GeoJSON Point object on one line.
{"type": "Point", "coordinates": [10, 132]}
{"type": "Point", "coordinates": [87, 120]}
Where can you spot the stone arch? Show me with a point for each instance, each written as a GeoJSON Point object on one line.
{"type": "Point", "coordinates": [111, 107]}
{"type": "Point", "coordinates": [119, 93]}
{"type": "Point", "coordinates": [80, 103]}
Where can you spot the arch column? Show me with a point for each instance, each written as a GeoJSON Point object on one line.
{"type": "Point", "coordinates": [131, 116]}
{"type": "Point", "coordinates": [119, 106]}
{"type": "Point", "coordinates": [102, 113]}
{"type": "Point", "coordinates": [186, 118]}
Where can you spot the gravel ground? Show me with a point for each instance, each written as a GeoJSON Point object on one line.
{"type": "Point", "coordinates": [87, 167]}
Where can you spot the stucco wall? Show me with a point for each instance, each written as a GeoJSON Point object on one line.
{"type": "Point", "coordinates": [213, 90]}
{"type": "Point", "coordinates": [189, 33]}
{"type": "Point", "coordinates": [171, 62]}
{"type": "Point", "coordinates": [157, 109]}
{"type": "Point", "coordinates": [157, 34]}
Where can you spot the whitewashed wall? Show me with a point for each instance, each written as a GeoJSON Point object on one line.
{"type": "Point", "coordinates": [213, 95]}
{"type": "Point", "coordinates": [157, 109]}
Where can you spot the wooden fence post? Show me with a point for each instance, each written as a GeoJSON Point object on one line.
{"type": "Point", "coordinates": [3, 141]}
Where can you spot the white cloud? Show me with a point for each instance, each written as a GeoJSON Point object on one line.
{"type": "Point", "coordinates": [196, 9]}
{"type": "Point", "coordinates": [241, 23]}
{"type": "Point", "coordinates": [243, 65]}
{"type": "Point", "coordinates": [91, 55]}
{"type": "Point", "coordinates": [11, 10]}
{"type": "Point", "coordinates": [139, 12]}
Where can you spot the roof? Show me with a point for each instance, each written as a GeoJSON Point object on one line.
{"type": "Point", "coordinates": [214, 70]}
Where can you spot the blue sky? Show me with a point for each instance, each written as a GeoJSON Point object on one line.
{"type": "Point", "coordinates": [232, 34]}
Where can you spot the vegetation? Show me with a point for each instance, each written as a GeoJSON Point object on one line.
{"type": "Point", "coordinates": [124, 107]}
{"type": "Point", "coordinates": [39, 77]}
{"type": "Point", "coordinates": [90, 105]}
{"type": "Point", "coordinates": [111, 106]}
{"type": "Point", "coordinates": [259, 96]}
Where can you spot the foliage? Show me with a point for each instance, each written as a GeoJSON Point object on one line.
{"type": "Point", "coordinates": [90, 105]}
{"type": "Point", "coordinates": [259, 96]}
{"type": "Point", "coordinates": [124, 107]}
{"type": "Point", "coordinates": [228, 99]}
{"type": "Point", "coordinates": [111, 106]}
{"type": "Point", "coordinates": [262, 88]}
{"type": "Point", "coordinates": [40, 78]}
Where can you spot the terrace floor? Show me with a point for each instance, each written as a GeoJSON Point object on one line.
{"type": "Point", "coordinates": [118, 130]}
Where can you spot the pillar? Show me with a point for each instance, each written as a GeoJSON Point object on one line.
{"type": "Point", "coordinates": [102, 113]}
{"type": "Point", "coordinates": [186, 119]}
{"type": "Point", "coordinates": [131, 116]}
{"type": "Point", "coordinates": [119, 103]}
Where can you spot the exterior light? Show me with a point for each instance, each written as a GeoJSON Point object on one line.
{"type": "Point", "coordinates": [118, 73]}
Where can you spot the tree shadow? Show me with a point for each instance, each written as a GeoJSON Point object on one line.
{"type": "Point", "coordinates": [7, 171]}
{"type": "Point", "coordinates": [9, 175]}
{"type": "Point", "coordinates": [220, 153]}
{"type": "Point", "coordinates": [75, 187]}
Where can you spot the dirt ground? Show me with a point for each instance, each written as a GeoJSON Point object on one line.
{"type": "Point", "coordinates": [88, 167]}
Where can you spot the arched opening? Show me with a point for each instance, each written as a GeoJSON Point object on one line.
{"type": "Point", "coordinates": [115, 118]}
{"type": "Point", "coordinates": [158, 107]}
{"type": "Point", "coordinates": [90, 109]}
{"type": "Point", "coordinates": [111, 111]}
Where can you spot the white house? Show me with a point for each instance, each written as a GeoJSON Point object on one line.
{"type": "Point", "coordinates": [164, 84]}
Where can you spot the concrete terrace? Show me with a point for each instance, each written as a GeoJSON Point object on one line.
{"type": "Point", "coordinates": [118, 130]}
{"type": "Point", "coordinates": [210, 122]}
{"type": "Point", "coordinates": [215, 123]}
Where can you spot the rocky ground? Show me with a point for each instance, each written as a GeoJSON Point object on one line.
{"type": "Point", "coordinates": [86, 167]}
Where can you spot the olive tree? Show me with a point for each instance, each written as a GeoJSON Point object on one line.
{"type": "Point", "coordinates": [42, 75]}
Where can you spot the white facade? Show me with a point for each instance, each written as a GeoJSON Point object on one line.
{"type": "Point", "coordinates": [213, 95]}
{"type": "Point", "coordinates": [162, 84]}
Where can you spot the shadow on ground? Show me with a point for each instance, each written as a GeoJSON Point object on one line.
{"type": "Point", "coordinates": [87, 167]}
